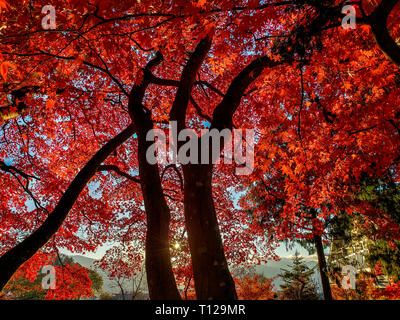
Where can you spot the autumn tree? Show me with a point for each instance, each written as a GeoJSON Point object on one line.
{"type": "Point", "coordinates": [304, 228]}
{"type": "Point", "coordinates": [73, 282]}
{"type": "Point", "coordinates": [255, 288]}
{"type": "Point", "coordinates": [323, 101]}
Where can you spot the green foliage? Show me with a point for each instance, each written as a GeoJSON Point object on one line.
{"type": "Point", "coordinates": [384, 194]}
{"type": "Point", "coordinates": [298, 283]}
{"type": "Point", "coordinates": [63, 259]}
{"type": "Point", "coordinates": [105, 296]}
{"type": "Point", "coordinates": [380, 252]}
{"type": "Point", "coordinates": [97, 281]}
{"type": "Point", "coordinates": [341, 226]}
{"type": "Point", "coordinates": [24, 289]}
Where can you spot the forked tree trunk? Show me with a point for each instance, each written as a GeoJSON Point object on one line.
{"type": "Point", "coordinates": [160, 278]}
{"type": "Point", "coordinates": [212, 278]}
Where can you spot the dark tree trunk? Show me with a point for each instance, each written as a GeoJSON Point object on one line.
{"type": "Point", "coordinates": [212, 278]}
{"type": "Point", "coordinates": [326, 287]}
{"type": "Point", "coordinates": [14, 258]}
{"type": "Point", "coordinates": [210, 269]}
{"type": "Point", "coordinates": [378, 22]}
{"type": "Point", "coordinates": [160, 278]}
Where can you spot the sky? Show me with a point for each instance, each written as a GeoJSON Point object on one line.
{"type": "Point", "coordinates": [281, 251]}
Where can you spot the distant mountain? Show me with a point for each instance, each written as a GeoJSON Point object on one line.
{"type": "Point", "coordinates": [269, 270]}
{"type": "Point", "coordinates": [84, 261]}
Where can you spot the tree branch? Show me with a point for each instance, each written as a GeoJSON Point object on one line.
{"type": "Point", "coordinates": [86, 63]}
{"type": "Point", "coordinates": [173, 166]}
{"type": "Point", "coordinates": [117, 170]}
{"type": "Point", "coordinates": [175, 83]}
{"type": "Point", "coordinates": [188, 77]}
{"type": "Point", "coordinates": [223, 113]}
{"type": "Point", "coordinates": [14, 258]}
{"type": "Point", "coordinates": [378, 21]}
{"type": "Point", "coordinates": [199, 111]}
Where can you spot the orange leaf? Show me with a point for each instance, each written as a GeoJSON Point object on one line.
{"type": "Point", "coordinates": [4, 69]}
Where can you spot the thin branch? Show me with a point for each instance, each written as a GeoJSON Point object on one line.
{"type": "Point", "coordinates": [89, 64]}
{"type": "Point", "coordinates": [198, 109]}
{"type": "Point", "coordinates": [173, 166]}
{"type": "Point", "coordinates": [362, 130]}
{"type": "Point", "coordinates": [117, 170]}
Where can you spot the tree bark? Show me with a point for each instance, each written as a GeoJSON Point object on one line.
{"type": "Point", "coordinates": [14, 258]}
{"type": "Point", "coordinates": [326, 287]}
{"type": "Point", "coordinates": [212, 278]}
{"type": "Point", "coordinates": [160, 278]}
{"type": "Point", "coordinates": [121, 288]}
{"type": "Point", "coordinates": [378, 22]}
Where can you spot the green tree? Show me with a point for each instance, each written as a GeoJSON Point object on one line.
{"type": "Point", "coordinates": [97, 281]}
{"type": "Point", "coordinates": [388, 257]}
{"type": "Point", "coordinates": [384, 194]}
{"type": "Point", "coordinates": [298, 283]}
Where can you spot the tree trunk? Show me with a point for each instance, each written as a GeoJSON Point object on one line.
{"type": "Point", "coordinates": [14, 258]}
{"type": "Point", "coordinates": [121, 288]}
{"type": "Point", "coordinates": [326, 287]}
{"type": "Point", "coordinates": [212, 278]}
{"type": "Point", "coordinates": [378, 20]}
{"type": "Point", "coordinates": [160, 278]}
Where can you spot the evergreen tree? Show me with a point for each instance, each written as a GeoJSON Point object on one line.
{"type": "Point", "coordinates": [97, 281]}
{"type": "Point", "coordinates": [380, 252]}
{"type": "Point", "coordinates": [298, 283]}
{"type": "Point", "coordinates": [384, 194]}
